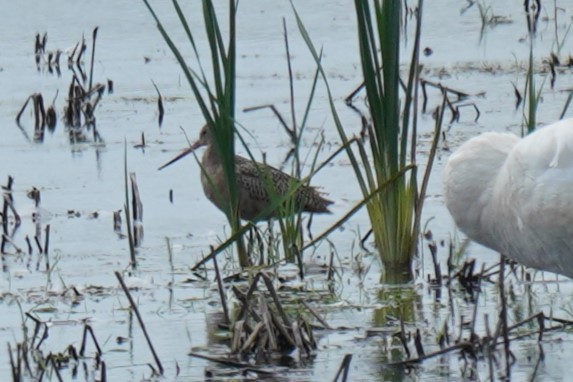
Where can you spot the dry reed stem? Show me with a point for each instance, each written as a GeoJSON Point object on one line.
{"type": "Point", "coordinates": [140, 320]}
{"type": "Point", "coordinates": [221, 289]}
{"type": "Point", "coordinates": [160, 109]}
{"type": "Point", "coordinates": [344, 369]}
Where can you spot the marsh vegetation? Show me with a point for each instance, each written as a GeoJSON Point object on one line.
{"type": "Point", "coordinates": [363, 99]}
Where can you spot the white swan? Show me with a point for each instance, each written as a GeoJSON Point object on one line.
{"type": "Point", "coordinates": [515, 195]}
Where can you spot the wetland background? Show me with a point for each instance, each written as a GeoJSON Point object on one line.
{"type": "Point", "coordinates": [81, 184]}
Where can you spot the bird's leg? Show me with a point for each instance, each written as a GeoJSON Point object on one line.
{"type": "Point", "coordinates": [503, 316]}
{"type": "Point", "coordinates": [271, 249]}
{"type": "Point", "coordinates": [256, 243]}
{"type": "Point", "coordinates": [261, 244]}
{"type": "Point", "coordinates": [250, 241]}
{"type": "Point", "coordinates": [308, 227]}
{"type": "Point", "coordinates": [300, 264]}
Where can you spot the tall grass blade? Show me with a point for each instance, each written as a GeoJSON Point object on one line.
{"type": "Point", "coordinates": [394, 210]}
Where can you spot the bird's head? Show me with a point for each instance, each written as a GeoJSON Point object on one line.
{"type": "Point", "coordinates": [204, 140]}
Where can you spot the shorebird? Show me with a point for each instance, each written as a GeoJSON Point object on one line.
{"type": "Point", "coordinates": [253, 182]}
{"type": "Point", "coordinates": [515, 195]}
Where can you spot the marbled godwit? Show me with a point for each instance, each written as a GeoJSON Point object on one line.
{"type": "Point", "coordinates": [252, 188]}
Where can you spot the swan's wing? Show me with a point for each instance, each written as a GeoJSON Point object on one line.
{"type": "Point", "coordinates": [469, 179]}
{"type": "Point", "coordinates": [534, 197]}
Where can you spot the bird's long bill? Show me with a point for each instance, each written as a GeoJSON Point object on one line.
{"type": "Point", "coordinates": [184, 153]}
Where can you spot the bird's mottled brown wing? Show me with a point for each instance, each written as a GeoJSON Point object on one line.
{"type": "Point", "coordinates": [253, 179]}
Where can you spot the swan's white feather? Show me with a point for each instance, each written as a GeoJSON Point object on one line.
{"type": "Point", "coordinates": [516, 195]}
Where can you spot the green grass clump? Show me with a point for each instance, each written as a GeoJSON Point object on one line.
{"type": "Point", "coordinates": [394, 202]}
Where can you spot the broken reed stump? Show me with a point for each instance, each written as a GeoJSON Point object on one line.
{"type": "Point", "coordinates": [262, 326]}
{"type": "Point", "coordinates": [83, 94]}
{"type": "Point", "coordinates": [41, 117]}
{"type": "Point", "coordinates": [7, 207]}
{"type": "Point", "coordinates": [28, 359]}
{"type": "Point", "coordinates": [160, 108]}
{"type": "Point", "coordinates": [45, 58]}
{"type": "Point", "coordinates": [136, 210]}
{"type": "Point", "coordinates": [141, 323]}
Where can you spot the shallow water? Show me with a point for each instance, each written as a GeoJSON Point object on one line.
{"type": "Point", "coordinates": [88, 178]}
